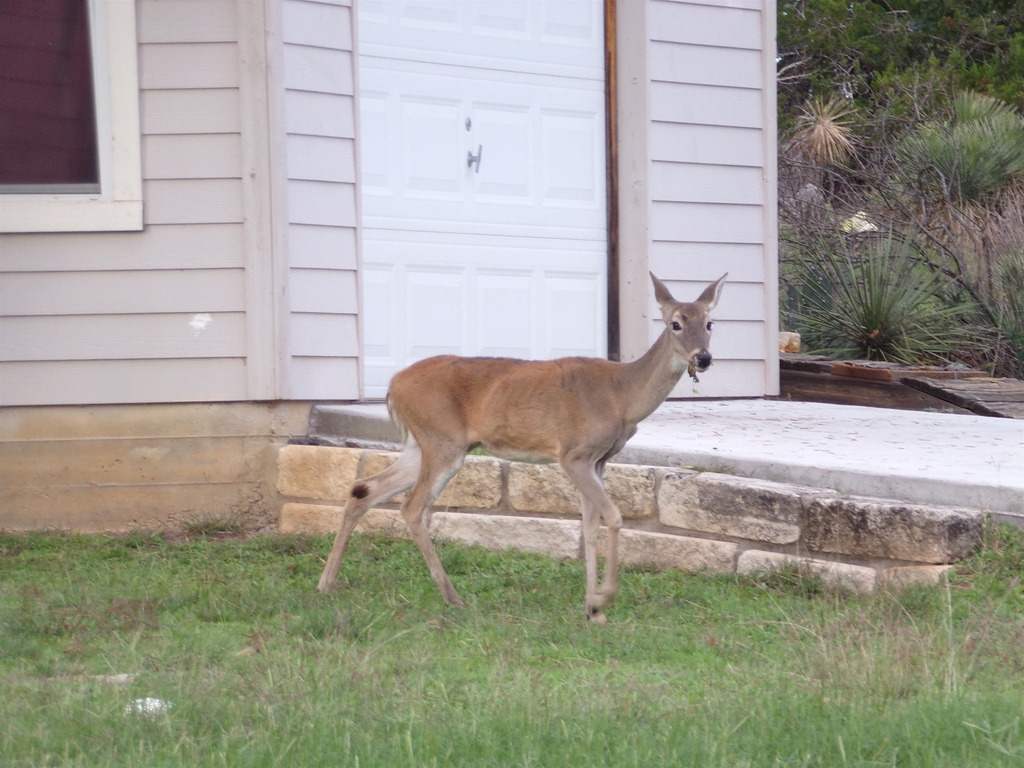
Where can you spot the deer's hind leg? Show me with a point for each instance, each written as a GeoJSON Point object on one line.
{"type": "Point", "coordinates": [437, 468]}
{"type": "Point", "coordinates": [397, 478]}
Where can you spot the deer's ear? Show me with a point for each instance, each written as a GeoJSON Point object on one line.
{"type": "Point", "coordinates": [661, 293]}
{"type": "Point", "coordinates": [713, 293]}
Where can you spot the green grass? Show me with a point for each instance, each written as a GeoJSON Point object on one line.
{"type": "Point", "coordinates": [692, 670]}
{"type": "Point", "coordinates": [212, 526]}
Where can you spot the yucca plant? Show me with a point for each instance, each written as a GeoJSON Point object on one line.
{"type": "Point", "coordinates": [971, 157]}
{"type": "Point", "coordinates": [874, 299]}
{"type": "Point", "coordinates": [1011, 289]}
{"type": "Point", "coordinates": [823, 133]}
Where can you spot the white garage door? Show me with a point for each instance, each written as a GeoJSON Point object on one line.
{"type": "Point", "coordinates": [483, 178]}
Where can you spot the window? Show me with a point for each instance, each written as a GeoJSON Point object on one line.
{"type": "Point", "coordinates": [47, 108]}
{"type": "Point", "coordinates": [68, 86]}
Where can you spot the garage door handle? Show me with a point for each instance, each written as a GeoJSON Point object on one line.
{"type": "Point", "coordinates": [471, 158]}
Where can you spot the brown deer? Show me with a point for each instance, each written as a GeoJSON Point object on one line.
{"type": "Point", "coordinates": [577, 411]}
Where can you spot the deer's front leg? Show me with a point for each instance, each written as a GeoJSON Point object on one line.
{"type": "Point", "coordinates": [597, 506]}
{"type": "Point", "coordinates": [435, 472]}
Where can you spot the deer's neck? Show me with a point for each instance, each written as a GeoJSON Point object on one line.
{"type": "Point", "coordinates": [648, 380]}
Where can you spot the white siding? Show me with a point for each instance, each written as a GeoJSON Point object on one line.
{"type": "Point", "coordinates": [121, 292]}
{"type": "Point", "coordinates": [322, 213]}
{"type": "Point", "coordinates": [711, 142]}
{"type": "Point", "coordinates": [108, 337]}
{"type": "Point", "coordinates": [89, 382]}
{"type": "Point", "coordinates": [111, 317]}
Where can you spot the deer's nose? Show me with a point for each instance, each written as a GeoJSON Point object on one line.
{"type": "Point", "coordinates": [703, 360]}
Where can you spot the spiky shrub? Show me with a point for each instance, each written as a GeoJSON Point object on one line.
{"type": "Point", "coordinates": [1011, 289]}
{"type": "Point", "coordinates": [969, 158]}
{"type": "Point", "coordinates": [874, 298]}
{"type": "Point", "coordinates": [823, 134]}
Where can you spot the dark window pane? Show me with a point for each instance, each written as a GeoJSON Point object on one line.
{"type": "Point", "coordinates": [47, 111]}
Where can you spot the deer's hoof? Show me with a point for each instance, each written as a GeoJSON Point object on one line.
{"type": "Point", "coordinates": [596, 616]}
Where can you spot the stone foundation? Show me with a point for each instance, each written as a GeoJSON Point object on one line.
{"type": "Point", "coordinates": [697, 521]}
{"type": "Point", "coordinates": [98, 468]}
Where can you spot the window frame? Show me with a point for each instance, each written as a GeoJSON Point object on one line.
{"type": "Point", "coordinates": [117, 207]}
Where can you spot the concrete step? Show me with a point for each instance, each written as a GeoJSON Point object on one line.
{"type": "Point", "coordinates": [333, 424]}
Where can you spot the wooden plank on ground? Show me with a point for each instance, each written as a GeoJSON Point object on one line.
{"type": "Point", "coordinates": [809, 387]}
{"type": "Point", "coordinates": [988, 397]}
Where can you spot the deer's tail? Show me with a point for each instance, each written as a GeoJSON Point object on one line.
{"type": "Point", "coordinates": [396, 419]}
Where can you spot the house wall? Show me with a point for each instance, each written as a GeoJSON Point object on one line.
{"type": "Point", "coordinates": [322, 211]}
{"type": "Point", "coordinates": [212, 302]}
{"type": "Point", "coordinates": [710, 178]}
{"type": "Point", "coordinates": [157, 315]}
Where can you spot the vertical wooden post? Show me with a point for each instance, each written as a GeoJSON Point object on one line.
{"type": "Point", "coordinates": [612, 175]}
{"type": "Point", "coordinates": [358, 140]}
{"type": "Point", "coordinates": [260, 307]}
{"type": "Point", "coordinates": [770, 180]}
{"type": "Point", "coordinates": [632, 160]}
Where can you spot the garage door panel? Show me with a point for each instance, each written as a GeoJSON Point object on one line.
{"type": "Point", "coordinates": [509, 19]}
{"type": "Point", "coordinates": [533, 299]}
{"type": "Point", "coordinates": [435, 312]}
{"type": "Point", "coordinates": [381, 310]}
{"type": "Point", "coordinates": [563, 38]}
{"type": "Point", "coordinates": [506, 324]}
{"type": "Point", "coordinates": [543, 152]}
{"type": "Point", "coordinates": [391, 246]}
{"type": "Point", "coordinates": [571, 175]}
{"type": "Point", "coordinates": [573, 319]}
{"type": "Point", "coordinates": [438, 15]}
{"type": "Point", "coordinates": [375, 143]}
{"type": "Point", "coordinates": [505, 175]}
{"type": "Point", "coordinates": [431, 134]}
{"type": "Point", "coordinates": [570, 22]}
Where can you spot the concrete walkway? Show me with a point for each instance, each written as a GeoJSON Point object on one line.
{"type": "Point", "coordinates": [929, 458]}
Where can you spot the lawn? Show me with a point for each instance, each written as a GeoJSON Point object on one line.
{"type": "Point", "coordinates": [259, 669]}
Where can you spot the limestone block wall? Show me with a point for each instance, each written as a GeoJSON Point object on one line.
{"type": "Point", "coordinates": [673, 518]}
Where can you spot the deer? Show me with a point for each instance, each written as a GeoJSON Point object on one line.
{"type": "Point", "coordinates": [576, 411]}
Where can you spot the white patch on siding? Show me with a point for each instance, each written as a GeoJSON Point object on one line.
{"type": "Point", "coordinates": [199, 323]}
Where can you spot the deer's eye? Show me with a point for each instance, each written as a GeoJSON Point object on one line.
{"type": "Point", "coordinates": [676, 326]}
{"type": "Point", "coordinates": [709, 325]}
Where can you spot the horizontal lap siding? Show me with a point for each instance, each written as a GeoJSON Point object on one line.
{"type": "Point", "coordinates": [90, 337]}
{"type": "Point", "coordinates": [708, 178]}
{"type": "Point", "coordinates": [104, 293]}
{"type": "Point", "coordinates": [320, 158]}
{"type": "Point", "coordinates": [157, 315]}
{"type": "Point", "coordinates": [91, 382]}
